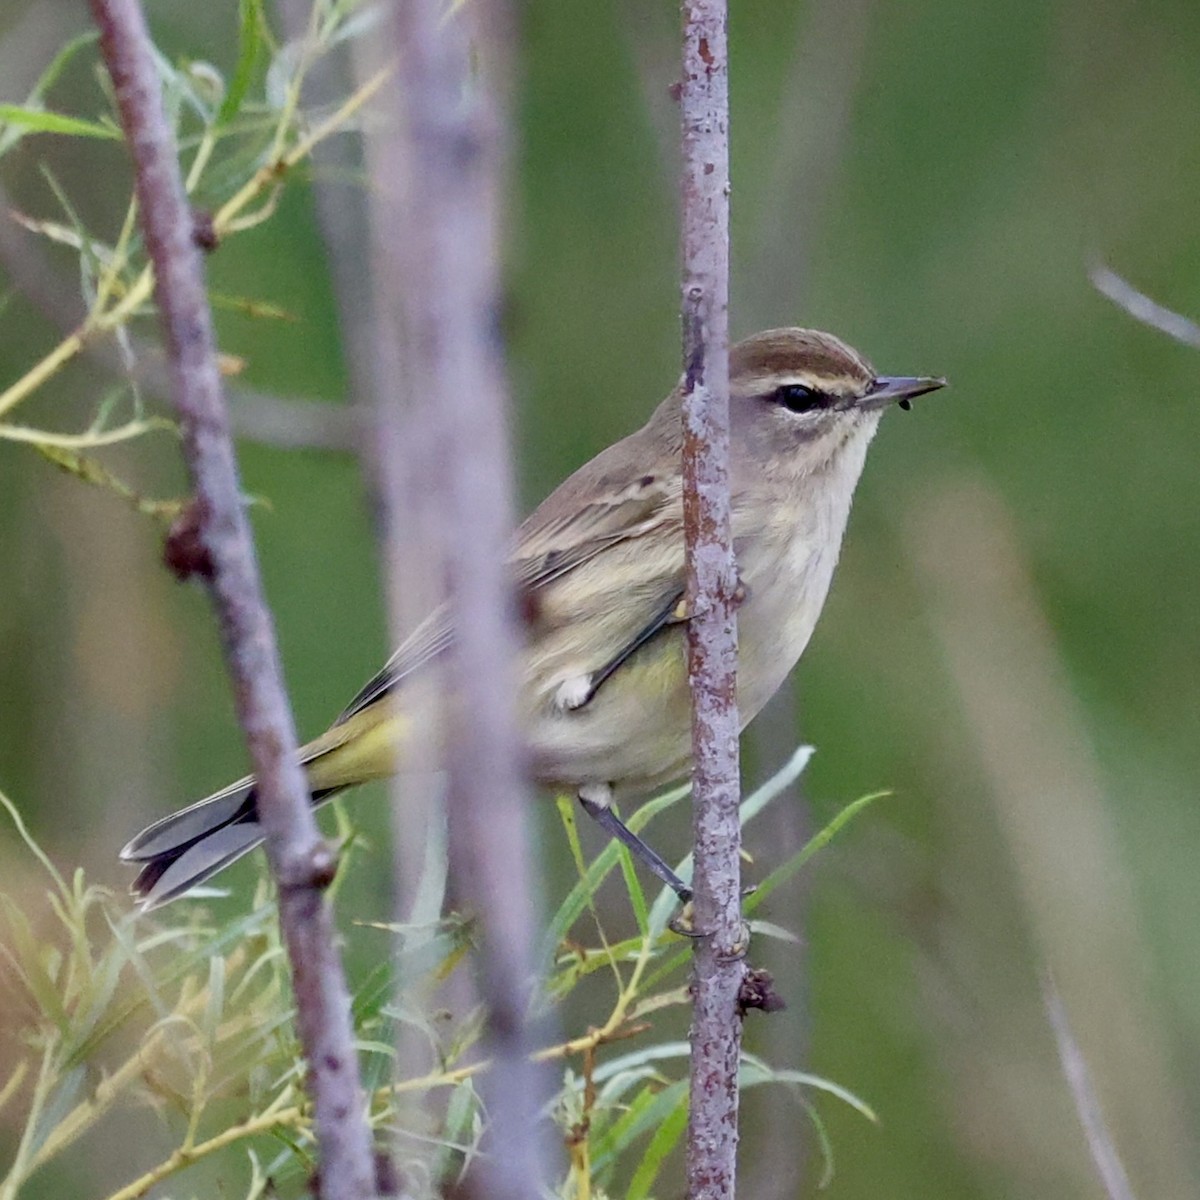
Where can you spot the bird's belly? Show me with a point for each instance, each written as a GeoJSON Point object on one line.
{"type": "Point", "coordinates": [785, 595]}
{"type": "Point", "coordinates": [635, 733]}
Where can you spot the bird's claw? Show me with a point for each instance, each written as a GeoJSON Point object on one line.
{"type": "Point", "coordinates": [682, 922]}
{"type": "Point", "coordinates": [687, 608]}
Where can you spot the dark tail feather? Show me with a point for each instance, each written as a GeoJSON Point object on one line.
{"type": "Point", "coordinates": [174, 872]}
{"type": "Point", "coordinates": [192, 845]}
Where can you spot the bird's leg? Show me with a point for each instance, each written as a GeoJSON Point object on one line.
{"type": "Point", "coordinates": [580, 690]}
{"type": "Point", "coordinates": [685, 609]}
{"type": "Point", "coordinates": [597, 803]}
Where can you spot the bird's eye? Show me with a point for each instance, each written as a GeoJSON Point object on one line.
{"type": "Point", "coordinates": [798, 398]}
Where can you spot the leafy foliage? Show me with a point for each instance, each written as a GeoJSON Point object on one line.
{"type": "Point", "coordinates": [240, 139]}
{"type": "Point", "coordinates": [193, 1019]}
{"type": "Point", "coordinates": [189, 1016]}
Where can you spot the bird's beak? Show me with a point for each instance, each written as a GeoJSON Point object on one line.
{"type": "Point", "coordinates": [899, 389]}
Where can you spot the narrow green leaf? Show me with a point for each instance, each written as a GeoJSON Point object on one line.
{"type": "Point", "coordinates": [60, 62]}
{"type": "Point", "coordinates": [613, 1092]}
{"type": "Point", "coordinates": [823, 1141]}
{"type": "Point", "coordinates": [753, 1072]}
{"type": "Point", "coordinates": [372, 994]}
{"type": "Point", "coordinates": [593, 874]}
{"type": "Point", "coordinates": [25, 836]}
{"type": "Point", "coordinates": [192, 953]}
{"type": "Point", "coordinates": [63, 1098]}
{"type": "Point", "coordinates": [777, 784]}
{"type": "Point", "coordinates": [104, 981]}
{"type": "Point", "coordinates": [750, 808]}
{"type": "Point", "coordinates": [14, 133]}
{"type": "Point", "coordinates": [35, 120]}
{"type": "Point", "coordinates": [460, 1129]}
{"type": "Point", "coordinates": [572, 968]}
{"type": "Point", "coordinates": [214, 1006]}
{"type": "Point", "coordinates": [608, 1149]}
{"type": "Point", "coordinates": [92, 259]}
{"type": "Point", "coordinates": [771, 930]}
{"type": "Point", "coordinates": [639, 1058]}
{"type": "Point", "coordinates": [817, 842]}
{"type": "Point", "coordinates": [665, 1138]}
{"type": "Point", "coordinates": [637, 897]}
{"type": "Point", "coordinates": [669, 965]}
{"type": "Point", "coordinates": [25, 960]}
{"type": "Point", "coordinates": [250, 48]}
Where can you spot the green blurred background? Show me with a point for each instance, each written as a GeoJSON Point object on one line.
{"type": "Point", "coordinates": [1012, 644]}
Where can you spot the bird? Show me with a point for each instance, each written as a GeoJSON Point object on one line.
{"type": "Point", "coordinates": [603, 698]}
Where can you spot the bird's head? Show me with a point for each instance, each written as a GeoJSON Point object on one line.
{"type": "Point", "coordinates": [799, 397]}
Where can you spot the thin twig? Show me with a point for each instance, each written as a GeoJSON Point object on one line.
{"type": "Point", "coordinates": [1141, 308]}
{"type": "Point", "coordinates": [453, 125]}
{"type": "Point", "coordinates": [281, 1116]}
{"type": "Point", "coordinates": [282, 421]}
{"type": "Point", "coordinates": [300, 860]}
{"type": "Point", "coordinates": [104, 318]}
{"type": "Point", "coordinates": [1087, 1104]}
{"type": "Point", "coordinates": [291, 422]}
{"type": "Point", "coordinates": [712, 590]}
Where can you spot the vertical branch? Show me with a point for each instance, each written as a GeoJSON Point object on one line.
{"type": "Point", "coordinates": [223, 552]}
{"type": "Point", "coordinates": [447, 216]}
{"type": "Point", "coordinates": [712, 590]}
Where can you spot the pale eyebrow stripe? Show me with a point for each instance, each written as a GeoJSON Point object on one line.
{"type": "Point", "coordinates": [836, 384]}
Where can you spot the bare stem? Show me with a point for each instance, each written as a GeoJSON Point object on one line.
{"type": "Point", "coordinates": [1141, 308]}
{"type": "Point", "coordinates": [712, 590]}
{"type": "Point", "coordinates": [299, 858]}
{"type": "Point", "coordinates": [446, 194]}
{"type": "Point", "coordinates": [1101, 1146]}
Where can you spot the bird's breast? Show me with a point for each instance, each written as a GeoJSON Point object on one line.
{"type": "Point", "coordinates": [786, 578]}
{"type": "Point", "coordinates": [788, 536]}
{"type": "Point", "coordinates": [634, 732]}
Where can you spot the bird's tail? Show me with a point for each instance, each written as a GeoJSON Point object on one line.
{"type": "Point", "coordinates": [190, 846]}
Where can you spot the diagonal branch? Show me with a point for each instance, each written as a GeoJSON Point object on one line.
{"type": "Point", "coordinates": [300, 860]}
{"type": "Point", "coordinates": [1101, 1146]}
{"type": "Point", "coordinates": [1141, 308]}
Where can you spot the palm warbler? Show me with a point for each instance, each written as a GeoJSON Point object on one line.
{"type": "Point", "coordinates": [604, 697]}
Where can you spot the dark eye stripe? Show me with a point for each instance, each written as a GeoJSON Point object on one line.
{"type": "Point", "coordinates": [798, 398]}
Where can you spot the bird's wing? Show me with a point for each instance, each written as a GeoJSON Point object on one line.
{"type": "Point", "coordinates": [564, 532]}
{"type": "Point", "coordinates": [562, 535]}
{"type": "Point", "coordinates": [423, 645]}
